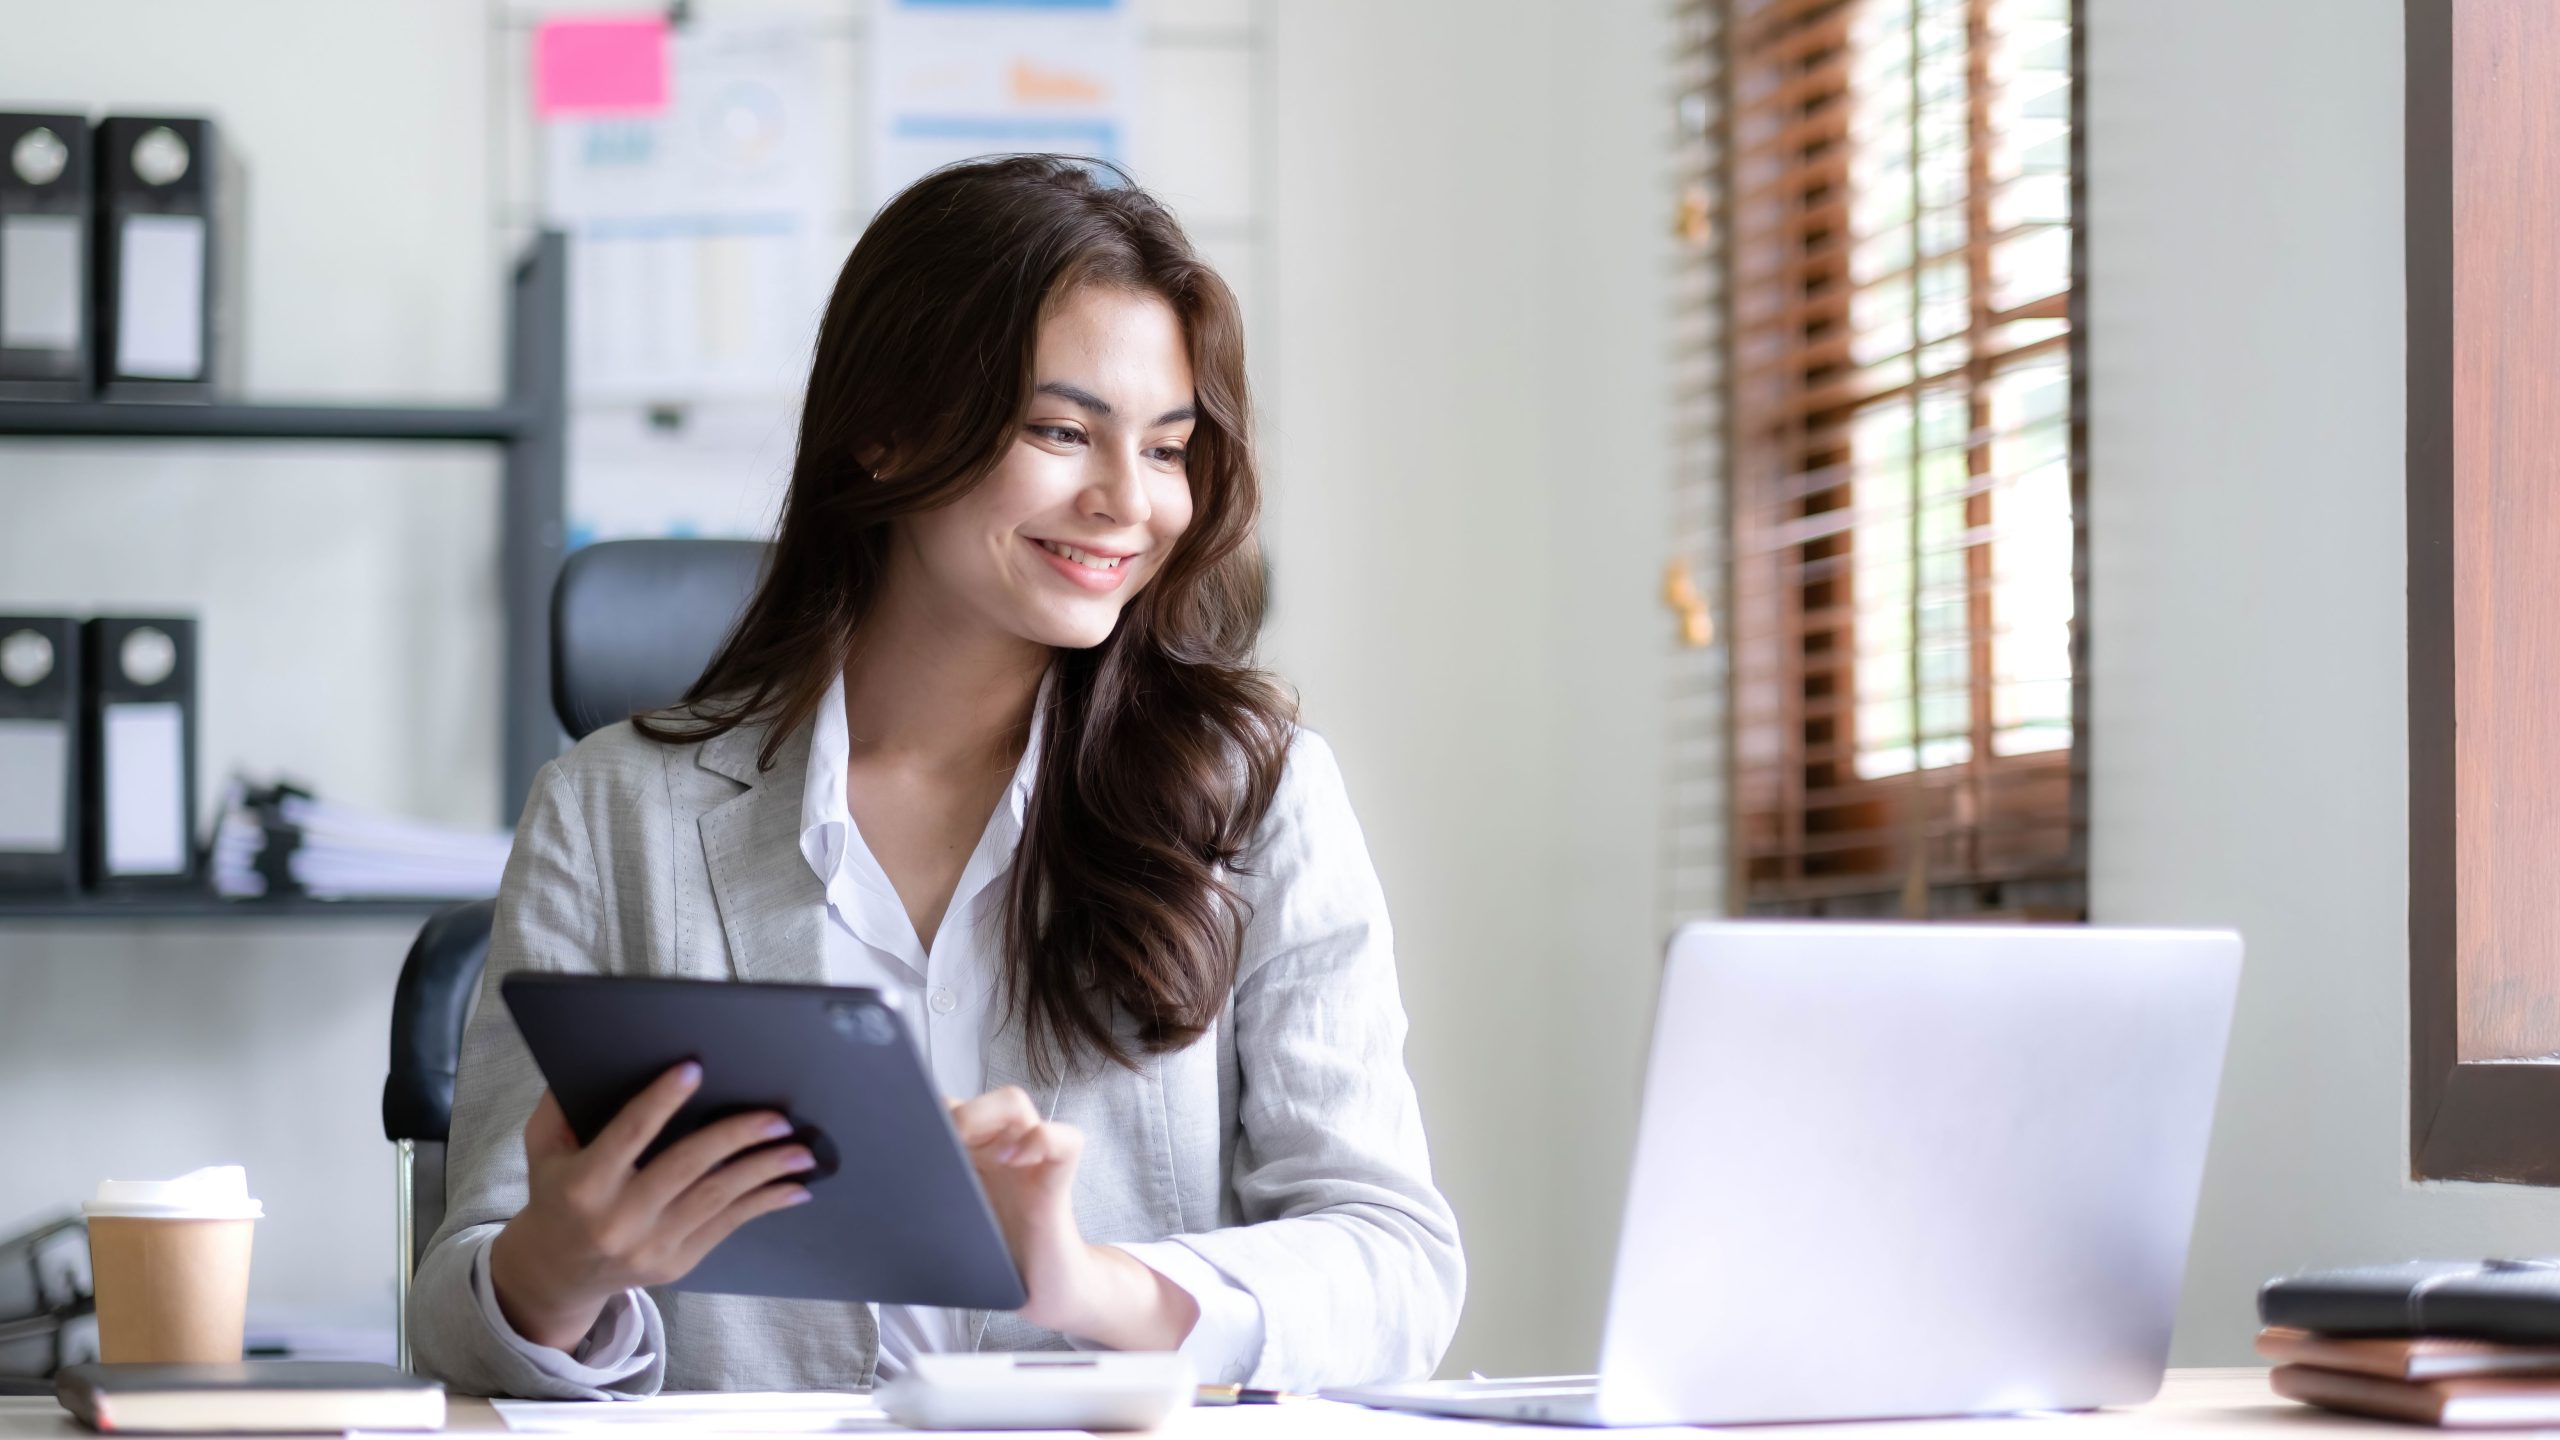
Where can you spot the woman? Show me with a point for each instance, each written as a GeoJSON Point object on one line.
{"type": "Point", "coordinates": [988, 736]}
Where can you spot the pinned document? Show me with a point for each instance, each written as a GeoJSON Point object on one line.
{"type": "Point", "coordinates": [705, 229]}
{"type": "Point", "coordinates": [954, 79]}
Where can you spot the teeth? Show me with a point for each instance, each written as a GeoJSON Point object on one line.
{"type": "Point", "coordinates": [1088, 561]}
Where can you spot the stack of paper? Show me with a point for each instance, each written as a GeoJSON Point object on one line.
{"type": "Point", "coordinates": [277, 838]}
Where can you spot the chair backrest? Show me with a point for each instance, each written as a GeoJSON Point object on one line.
{"type": "Point", "coordinates": [427, 1011]}
{"type": "Point", "coordinates": [633, 623]}
{"type": "Point", "coordinates": [428, 1008]}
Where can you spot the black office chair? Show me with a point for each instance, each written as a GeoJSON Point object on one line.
{"type": "Point", "coordinates": [633, 622]}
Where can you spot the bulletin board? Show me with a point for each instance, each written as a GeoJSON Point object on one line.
{"type": "Point", "coordinates": [713, 164]}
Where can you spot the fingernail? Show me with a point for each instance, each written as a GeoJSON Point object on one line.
{"type": "Point", "coordinates": [776, 1128]}
{"type": "Point", "coordinates": [1004, 1154]}
{"type": "Point", "coordinates": [689, 1074]}
{"type": "Point", "coordinates": [798, 1197]}
{"type": "Point", "coordinates": [799, 1160]}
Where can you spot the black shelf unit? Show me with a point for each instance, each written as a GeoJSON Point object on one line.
{"type": "Point", "coordinates": [260, 422]}
{"type": "Point", "coordinates": [531, 427]}
{"type": "Point", "coordinates": [191, 905]}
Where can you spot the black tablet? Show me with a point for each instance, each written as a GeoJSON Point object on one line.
{"type": "Point", "coordinates": [895, 1211]}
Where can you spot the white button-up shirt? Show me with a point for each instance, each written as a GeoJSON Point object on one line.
{"type": "Point", "coordinates": [948, 993]}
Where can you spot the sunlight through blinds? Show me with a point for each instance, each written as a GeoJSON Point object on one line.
{"type": "Point", "coordinates": [1902, 421]}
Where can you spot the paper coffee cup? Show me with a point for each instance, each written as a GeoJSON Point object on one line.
{"type": "Point", "coordinates": [170, 1263]}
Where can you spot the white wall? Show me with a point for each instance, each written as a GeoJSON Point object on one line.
{"type": "Point", "coordinates": [1465, 525]}
{"type": "Point", "coordinates": [1607, 347]}
{"type": "Point", "coordinates": [1413, 583]}
{"type": "Point", "coordinates": [1466, 375]}
{"type": "Point", "coordinates": [2248, 678]}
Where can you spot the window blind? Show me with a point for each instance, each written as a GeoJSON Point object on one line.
{"type": "Point", "coordinates": [1900, 413]}
{"type": "Point", "coordinates": [1697, 873]}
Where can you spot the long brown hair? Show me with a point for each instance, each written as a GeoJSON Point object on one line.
{"type": "Point", "coordinates": [1164, 744]}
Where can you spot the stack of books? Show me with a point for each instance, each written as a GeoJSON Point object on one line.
{"type": "Point", "coordinates": [2464, 1345]}
{"type": "Point", "coordinates": [48, 1317]}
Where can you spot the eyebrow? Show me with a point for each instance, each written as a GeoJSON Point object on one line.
{"type": "Point", "coordinates": [1077, 395]}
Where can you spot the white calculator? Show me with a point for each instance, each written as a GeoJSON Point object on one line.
{"type": "Point", "coordinates": [1040, 1390]}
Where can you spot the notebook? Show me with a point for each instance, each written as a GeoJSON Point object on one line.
{"type": "Point", "coordinates": [2409, 1358]}
{"type": "Point", "coordinates": [2479, 1403]}
{"type": "Point", "coordinates": [264, 1396]}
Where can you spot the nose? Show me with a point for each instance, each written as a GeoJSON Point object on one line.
{"type": "Point", "coordinates": [1118, 492]}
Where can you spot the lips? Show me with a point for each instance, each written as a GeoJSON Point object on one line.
{"type": "Point", "coordinates": [1091, 559]}
{"type": "Point", "coordinates": [1090, 569]}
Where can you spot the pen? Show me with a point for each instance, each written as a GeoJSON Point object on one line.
{"type": "Point", "coordinates": [1237, 1395]}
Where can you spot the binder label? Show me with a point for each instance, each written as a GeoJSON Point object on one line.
{"type": "Point", "coordinates": [33, 754]}
{"type": "Point", "coordinates": [160, 298]}
{"type": "Point", "coordinates": [144, 752]}
{"type": "Point", "coordinates": [39, 282]}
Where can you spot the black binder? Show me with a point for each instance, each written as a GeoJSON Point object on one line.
{"type": "Point", "coordinates": [168, 258]}
{"type": "Point", "coordinates": [45, 314]}
{"type": "Point", "coordinates": [45, 1271]}
{"type": "Point", "coordinates": [43, 1345]}
{"type": "Point", "coordinates": [40, 742]}
{"type": "Point", "coordinates": [139, 810]}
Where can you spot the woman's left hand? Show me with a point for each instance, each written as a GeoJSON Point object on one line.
{"type": "Point", "coordinates": [1093, 1292]}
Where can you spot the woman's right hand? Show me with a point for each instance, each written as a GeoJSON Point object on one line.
{"type": "Point", "coordinates": [595, 1223]}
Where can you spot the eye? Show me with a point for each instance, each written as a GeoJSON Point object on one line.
{"type": "Point", "coordinates": [1169, 454]}
{"type": "Point", "coordinates": [1058, 434]}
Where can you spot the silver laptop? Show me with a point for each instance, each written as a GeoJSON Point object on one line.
{"type": "Point", "coordinates": [1900, 1170]}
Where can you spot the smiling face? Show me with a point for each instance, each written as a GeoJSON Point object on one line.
{"type": "Point", "coordinates": [1091, 492]}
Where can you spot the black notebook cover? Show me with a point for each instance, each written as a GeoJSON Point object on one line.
{"type": "Point", "coordinates": [2510, 1300]}
{"type": "Point", "coordinates": [253, 1395]}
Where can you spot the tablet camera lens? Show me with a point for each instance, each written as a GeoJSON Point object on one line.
{"type": "Point", "coordinates": [866, 1023]}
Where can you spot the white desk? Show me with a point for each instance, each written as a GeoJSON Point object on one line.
{"type": "Point", "coordinates": [2194, 1405]}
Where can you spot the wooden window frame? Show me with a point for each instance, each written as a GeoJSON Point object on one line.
{"type": "Point", "coordinates": [2484, 608]}
{"type": "Point", "coordinates": [2048, 884]}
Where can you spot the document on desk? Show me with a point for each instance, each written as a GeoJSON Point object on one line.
{"type": "Point", "coordinates": [1303, 1419]}
{"type": "Point", "coordinates": [844, 1413]}
{"type": "Point", "coordinates": [738, 1413]}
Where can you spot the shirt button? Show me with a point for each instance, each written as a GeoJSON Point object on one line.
{"type": "Point", "coordinates": [942, 1001]}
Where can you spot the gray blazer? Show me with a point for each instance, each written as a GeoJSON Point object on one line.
{"type": "Point", "coordinates": [1285, 1147]}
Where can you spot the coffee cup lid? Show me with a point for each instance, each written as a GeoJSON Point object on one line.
{"type": "Point", "coordinates": [217, 1192]}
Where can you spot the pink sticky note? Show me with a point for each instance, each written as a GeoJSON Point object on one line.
{"type": "Point", "coordinates": [590, 65]}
